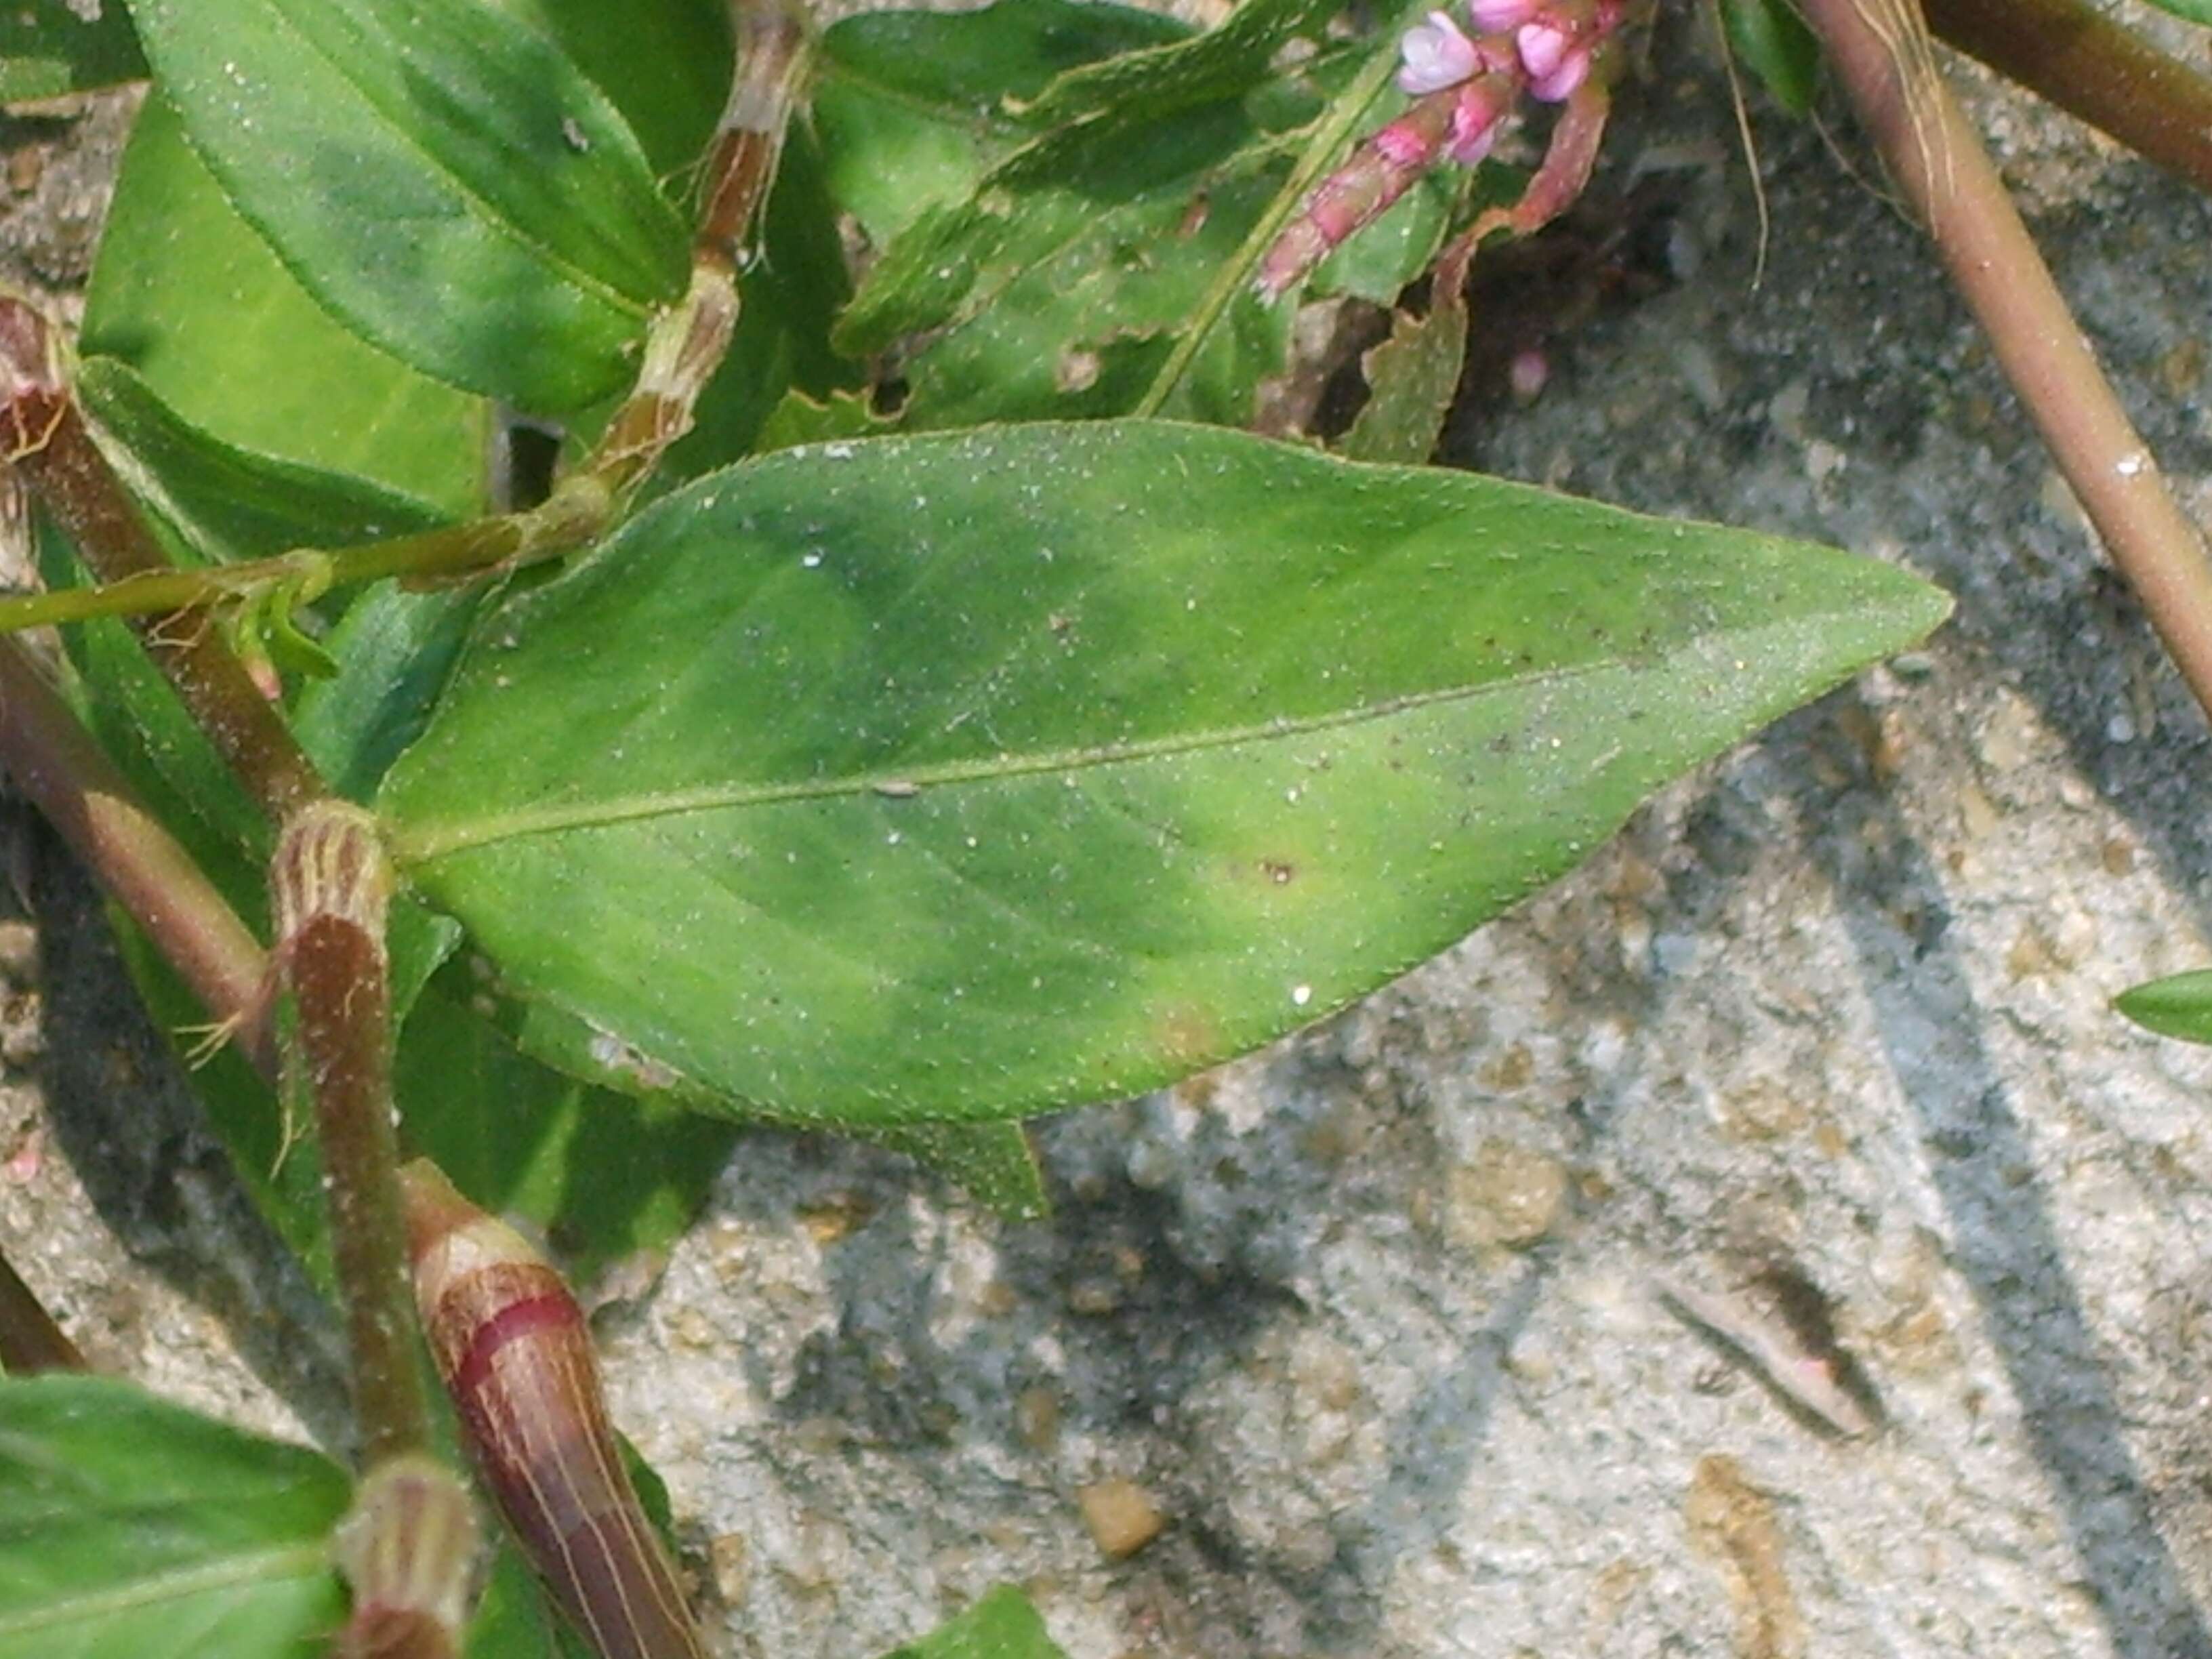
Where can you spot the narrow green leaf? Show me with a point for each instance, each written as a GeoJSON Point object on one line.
{"type": "Point", "coordinates": [47, 50]}
{"type": "Point", "coordinates": [441, 177]}
{"type": "Point", "coordinates": [2179, 1006]}
{"type": "Point", "coordinates": [964, 777]}
{"type": "Point", "coordinates": [1780, 49]}
{"type": "Point", "coordinates": [1001, 1625]}
{"type": "Point", "coordinates": [131, 1528]}
{"type": "Point", "coordinates": [914, 107]}
{"type": "Point", "coordinates": [1040, 303]}
{"type": "Point", "coordinates": [2196, 11]}
{"type": "Point", "coordinates": [224, 501]}
{"type": "Point", "coordinates": [184, 293]}
{"type": "Point", "coordinates": [1230, 58]}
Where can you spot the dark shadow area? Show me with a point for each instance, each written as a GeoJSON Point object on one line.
{"type": "Point", "coordinates": [2004, 1240]}
{"type": "Point", "coordinates": [118, 1108]}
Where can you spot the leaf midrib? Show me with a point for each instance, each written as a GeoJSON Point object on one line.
{"type": "Point", "coordinates": [423, 844]}
{"type": "Point", "coordinates": [269, 1567]}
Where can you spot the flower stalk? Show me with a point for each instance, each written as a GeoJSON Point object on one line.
{"type": "Point", "coordinates": [1466, 87]}
{"type": "Point", "coordinates": [1881, 51]}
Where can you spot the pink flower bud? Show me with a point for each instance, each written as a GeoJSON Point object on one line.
{"type": "Point", "coordinates": [1493, 16]}
{"type": "Point", "coordinates": [1527, 374]}
{"type": "Point", "coordinates": [1436, 54]}
{"type": "Point", "coordinates": [1544, 47]}
{"type": "Point", "coordinates": [1574, 69]}
{"type": "Point", "coordinates": [1475, 123]}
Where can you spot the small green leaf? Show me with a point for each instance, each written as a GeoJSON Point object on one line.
{"type": "Point", "coordinates": [1412, 378]}
{"type": "Point", "coordinates": [131, 1528]}
{"type": "Point", "coordinates": [185, 293]}
{"type": "Point", "coordinates": [2196, 11]}
{"type": "Point", "coordinates": [2179, 1006]}
{"type": "Point", "coordinates": [47, 50]}
{"type": "Point", "coordinates": [1001, 1625]}
{"type": "Point", "coordinates": [964, 777]}
{"type": "Point", "coordinates": [1781, 50]}
{"type": "Point", "coordinates": [441, 177]}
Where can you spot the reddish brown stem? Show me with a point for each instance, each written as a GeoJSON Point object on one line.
{"type": "Point", "coordinates": [70, 779]}
{"type": "Point", "coordinates": [408, 1549]}
{"type": "Point", "coordinates": [2091, 67]}
{"type": "Point", "coordinates": [330, 883]}
{"type": "Point", "coordinates": [49, 443]}
{"type": "Point", "coordinates": [512, 1349]}
{"type": "Point", "coordinates": [1880, 50]}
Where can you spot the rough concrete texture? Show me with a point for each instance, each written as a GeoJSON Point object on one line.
{"type": "Point", "coordinates": [1369, 1322]}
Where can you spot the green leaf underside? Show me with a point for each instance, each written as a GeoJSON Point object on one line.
{"type": "Point", "coordinates": [1002, 1625]}
{"type": "Point", "coordinates": [441, 177]}
{"type": "Point", "coordinates": [2179, 1006]}
{"type": "Point", "coordinates": [186, 293]}
{"type": "Point", "coordinates": [961, 778]}
{"type": "Point", "coordinates": [131, 1528]}
{"type": "Point", "coordinates": [46, 50]}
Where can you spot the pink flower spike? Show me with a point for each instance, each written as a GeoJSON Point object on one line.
{"type": "Point", "coordinates": [1544, 47]}
{"type": "Point", "coordinates": [1554, 88]}
{"type": "Point", "coordinates": [1436, 54]}
{"type": "Point", "coordinates": [1495, 16]}
{"type": "Point", "coordinates": [1473, 124]}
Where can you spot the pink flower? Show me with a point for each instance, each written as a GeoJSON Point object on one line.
{"type": "Point", "coordinates": [1475, 123]}
{"type": "Point", "coordinates": [1436, 54]}
{"type": "Point", "coordinates": [1544, 47]}
{"type": "Point", "coordinates": [1554, 88]}
{"type": "Point", "coordinates": [1493, 17]}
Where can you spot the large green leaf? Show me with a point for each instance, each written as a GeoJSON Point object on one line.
{"type": "Point", "coordinates": [441, 177]}
{"type": "Point", "coordinates": [188, 295]}
{"type": "Point", "coordinates": [963, 777]}
{"type": "Point", "coordinates": [46, 49]}
{"type": "Point", "coordinates": [1001, 1625]}
{"type": "Point", "coordinates": [131, 1528]}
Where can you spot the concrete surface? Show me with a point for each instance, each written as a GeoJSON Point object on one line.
{"type": "Point", "coordinates": [1368, 1323]}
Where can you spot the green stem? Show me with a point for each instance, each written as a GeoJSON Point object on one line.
{"type": "Point", "coordinates": [1880, 49]}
